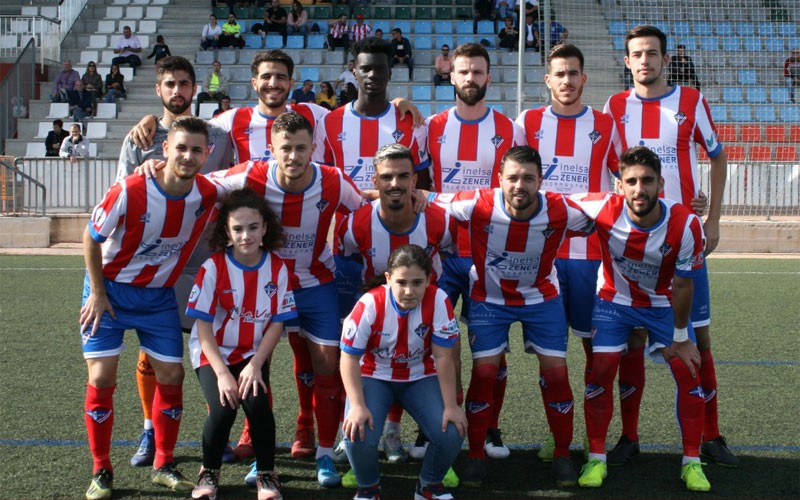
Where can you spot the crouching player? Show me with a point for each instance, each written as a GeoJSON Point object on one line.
{"type": "Point", "coordinates": [397, 345]}
{"type": "Point", "coordinates": [651, 249]}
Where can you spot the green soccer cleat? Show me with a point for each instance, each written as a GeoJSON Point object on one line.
{"type": "Point", "coordinates": [545, 453]}
{"type": "Point", "coordinates": [100, 487]}
{"type": "Point", "coordinates": [349, 479]}
{"type": "Point", "coordinates": [451, 479]}
{"type": "Point", "coordinates": [592, 474]}
{"type": "Point", "coordinates": [170, 477]}
{"type": "Point", "coordinates": [692, 474]}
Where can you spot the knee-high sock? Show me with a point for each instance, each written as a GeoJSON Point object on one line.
{"type": "Point", "coordinates": [587, 368]}
{"type": "Point", "coordinates": [479, 406]}
{"type": "Point", "coordinates": [395, 413]}
{"type": "Point", "coordinates": [558, 406]}
{"type": "Point", "coordinates": [167, 411]}
{"type": "Point", "coordinates": [304, 379]}
{"type": "Point", "coordinates": [499, 392]}
{"type": "Point", "coordinates": [708, 379]}
{"type": "Point", "coordinates": [327, 407]}
{"type": "Point", "coordinates": [99, 416]}
{"type": "Point", "coordinates": [146, 382]}
{"type": "Point", "coordinates": [690, 407]}
{"type": "Point", "coordinates": [631, 387]}
{"type": "Point", "coordinates": [599, 403]}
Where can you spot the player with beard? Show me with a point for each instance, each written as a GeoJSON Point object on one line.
{"type": "Point", "coordinates": [175, 85]}
{"type": "Point", "coordinates": [466, 144]}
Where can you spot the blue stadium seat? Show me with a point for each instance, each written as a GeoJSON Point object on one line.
{"type": "Point", "coordinates": [253, 41]}
{"type": "Point", "coordinates": [617, 28]}
{"type": "Point", "coordinates": [744, 29]}
{"type": "Point", "coordinates": [779, 95]}
{"type": "Point", "coordinates": [316, 41]}
{"type": "Point", "coordinates": [719, 112]}
{"type": "Point", "coordinates": [790, 114]}
{"type": "Point", "coordinates": [383, 25]}
{"type": "Point", "coordinates": [421, 93]}
{"type": "Point", "coordinates": [775, 44]}
{"type": "Point", "coordinates": [274, 41]}
{"type": "Point", "coordinates": [463, 27]}
{"type": "Point", "coordinates": [787, 29]}
{"type": "Point", "coordinates": [753, 44]}
{"type": "Point", "coordinates": [740, 113]}
{"type": "Point", "coordinates": [423, 27]}
{"type": "Point", "coordinates": [709, 43]}
{"type": "Point", "coordinates": [723, 29]}
{"type": "Point", "coordinates": [756, 95]}
{"type": "Point", "coordinates": [404, 25]}
{"type": "Point", "coordinates": [690, 42]}
{"type": "Point", "coordinates": [748, 77]}
{"type": "Point", "coordinates": [766, 114]}
{"type": "Point", "coordinates": [309, 73]}
{"type": "Point", "coordinates": [681, 28]}
{"type": "Point", "coordinates": [423, 42]}
{"type": "Point", "coordinates": [444, 39]}
{"type": "Point", "coordinates": [732, 94]}
{"type": "Point", "coordinates": [295, 42]}
{"type": "Point", "coordinates": [732, 44]}
{"type": "Point", "coordinates": [766, 28]}
{"type": "Point", "coordinates": [323, 26]}
{"type": "Point", "coordinates": [424, 108]}
{"type": "Point", "coordinates": [444, 27]}
{"type": "Point", "coordinates": [702, 28]}
{"type": "Point", "coordinates": [443, 106]}
{"type": "Point", "coordinates": [495, 106]}
{"type": "Point", "coordinates": [618, 42]}
{"type": "Point", "coordinates": [462, 39]}
{"type": "Point", "coordinates": [793, 43]}
{"type": "Point", "coordinates": [445, 93]}
{"type": "Point", "coordinates": [486, 27]}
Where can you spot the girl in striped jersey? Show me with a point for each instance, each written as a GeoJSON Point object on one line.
{"type": "Point", "coordinates": [240, 300]}
{"type": "Point", "coordinates": [389, 343]}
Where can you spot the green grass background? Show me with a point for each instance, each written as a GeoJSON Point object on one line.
{"type": "Point", "coordinates": [755, 329]}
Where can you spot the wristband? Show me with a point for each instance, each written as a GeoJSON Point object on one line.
{"type": "Point", "coordinates": [680, 334]}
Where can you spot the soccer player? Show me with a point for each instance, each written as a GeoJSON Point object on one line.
{"type": "Point", "coordinates": [652, 251]}
{"type": "Point", "coordinates": [575, 142]}
{"type": "Point", "coordinates": [466, 144]}
{"type": "Point", "coordinates": [175, 86]}
{"type": "Point", "coordinates": [515, 232]}
{"type": "Point", "coordinates": [670, 120]}
{"type": "Point", "coordinates": [135, 246]}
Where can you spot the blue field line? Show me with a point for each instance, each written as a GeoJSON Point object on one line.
{"type": "Point", "coordinates": [526, 446]}
{"type": "Point", "coordinates": [757, 362]}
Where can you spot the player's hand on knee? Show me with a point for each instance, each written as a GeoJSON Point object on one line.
{"type": "Point", "coordinates": [356, 421]}
{"type": "Point", "coordinates": [688, 353]}
{"type": "Point", "coordinates": [250, 380]}
{"type": "Point", "coordinates": [457, 417]}
{"type": "Point", "coordinates": [228, 390]}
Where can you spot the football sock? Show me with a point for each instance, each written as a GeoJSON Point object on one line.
{"type": "Point", "coordinates": [146, 382]}
{"type": "Point", "coordinates": [327, 407]}
{"type": "Point", "coordinates": [690, 407]}
{"type": "Point", "coordinates": [304, 378]}
{"type": "Point", "coordinates": [167, 411]}
{"type": "Point", "coordinates": [395, 414]}
{"type": "Point", "coordinates": [708, 379]}
{"type": "Point", "coordinates": [499, 392]}
{"type": "Point", "coordinates": [99, 416]}
{"type": "Point", "coordinates": [479, 406]}
{"type": "Point", "coordinates": [631, 387]}
{"type": "Point", "coordinates": [599, 404]}
{"type": "Point", "coordinates": [558, 406]}
{"type": "Point", "coordinates": [587, 351]}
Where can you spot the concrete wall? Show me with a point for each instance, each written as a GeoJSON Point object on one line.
{"type": "Point", "coordinates": [24, 232]}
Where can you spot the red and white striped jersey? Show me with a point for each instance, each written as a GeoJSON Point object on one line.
{"type": "Point", "coordinates": [669, 125]}
{"type": "Point", "coordinates": [359, 31]}
{"type": "Point", "coordinates": [395, 345]}
{"type": "Point", "coordinates": [363, 233]}
{"type": "Point", "coordinates": [575, 151]}
{"type": "Point", "coordinates": [639, 263]}
{"type": "Point", "coordinates": [240, 302]}
{"type": "Point", "coordinates": [348, 140]}
{"type": "Point", "coordinates": [250, 130]}
{"type": "Point", "coordinates": [513, 259]}
{"type": "Point", "coordinates": [305, 216]}
{"type": "Point", "coordinates": [148, 235]}
{"type": "Point", "coordinates": [466, 155]}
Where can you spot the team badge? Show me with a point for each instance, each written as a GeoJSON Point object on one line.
{"type": "Point", "coordinates": [429, 250]}
{"type": "Point", "coordinates": [194, 294]}
{"type": "Point", "coordinates": [100, 415]}
{"type": "Point", "coordinates": [307, 378]}
{"type": "Point", "coordinates": [562, 407]}
{"type": "Point", "coordinates": [698, 391]}
{"type": "Point", "coordinates": [497, 141]}
{"type": "Point", "coordinates": [422, 330]}
{"type": "Point", "coordinates": [680, 117]}
{"type": "Point", "coordinates": [174, 413]}
{"type": "Point", "coordinates": [144, 218]}
{"type": "Point", "coordinates": [199, 211]}
{"type": "Point", "coordinates": [548, 231]}
{"type": "Point", "coordinates": [595, 136]}
{"type": "Point", "coordinates": [322, 204]}
{"type": "Point", "coordinates": [397, 135]}
{"type": "Point", "coordinates": [476, 406]}
{"type": "Point", "coordinates": [350, 330]}
{"type": "Point", "coordinates": [665, 249]}
{"type": "Point", "coordinates": [99, 216]}
{"type": "Point", "coordinates": [270, 289]}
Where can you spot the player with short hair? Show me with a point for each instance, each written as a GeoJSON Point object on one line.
{"type": "Point", "coordinates": [137, 242]}
{"type": "Point", "coordinates": [670, 120]}
{"type": "Point", "coordinates": [652, 251]}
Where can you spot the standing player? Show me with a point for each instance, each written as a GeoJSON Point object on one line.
{"type": "Point", "coordinates": [137, 242]}
{"type": "Point", "coordinates": [574, 142]}
{"type": "Point", "coordinates": [652, 251]}
{"type": "Point", "coordinates": [669, 120]}
{"type": "Point", "coordinates": [515, 232]}
{"type": "Point", "coordinates": [466, 144]}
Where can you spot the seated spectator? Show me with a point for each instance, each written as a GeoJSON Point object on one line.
{"type": "Point", "coordinates": [378, 34]}
{"type": "Point", "coordinates": [74, 147]}
{"type": "Point", "coordinates": [211, 33]}
{"type": "Point", "coordinates": [216, 86]}
{"type": "Point", "coordinates": [401, 49]}
{"type": "Point", "coordinates": [224, 105]}
{"type": "Point", "coordinates": [127, 46]}
{"type": "Point", "coordinates": [303, 94]}
{"type": "Point", "coordinates": [532, 9]}
{"type": "Point", "coordinates": [791, 73]}
{"type": "Point", "coordinates": [360, 30]}
{"type": "Point", "coordinates": [338, 35]}
{"type": "Point", "coordinates": [531, 33]}
{"type": "Point", "coordinates": [558, 33]}
{"type": "Point", "coordinates": [65, 81]}
{"type": "Point", "coordinates": [54, 138]}
{"type": "Point", "coordinates": [298, 19]}
{"type": "Point", "coordinates": [115, 85]}
{"type": "Point", "coordinates": [160, 51]}
{"type": "Point", "coordinates": [275, 20]}
{"type": "Point", "coordinates": [443, 66]}
{"type": "Point", "coordinates": [80, 102]}
{"type": "Point", "coordinates": [507, 8]}
{"type": "Point", "coordinates": [509, 35]}
{"type": "Point", "coordinates": [349, 94]}
{"type": "Point", "coordinates": [347, 76]}
{"type": "Point", "coordinates": [231, 34]}
{"type": "Point", "coordinates": [681, 69]}
{"type": "Point", "coordinates": [326, 97]}
{"type": "Point", "coordinates": [483, 10]}
{"type": "Point", "coordinates": [92, 81]}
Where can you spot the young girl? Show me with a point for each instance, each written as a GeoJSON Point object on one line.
{"type": "Point", "coordinates": [397, 345]}
{"type": "Point", "coordinates": [240, 300]}
{"type": "Point", "coordinates": [160, 51]}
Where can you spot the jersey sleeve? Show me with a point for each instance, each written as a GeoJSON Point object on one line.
{"type": "Point", "coordinates": [286, 308]}
{"type": "Point", "coordinates": [350, 198]}
{"type": "Point", "coordinates": [445, 324]}
{"type": "Point", "coordinates": [224, 120]}
{"type": "Point", "coordinates": [578, 222]}
{"type": "Point", "coordinates": [422, 160]}
{"type": "Point", "coordinates": [520, 139]}
{"type": "Point", "coordinates": [590, 203]}
{"type": "Point", "coordinates": [458, 205]}
{"type": "Point", "coordinates": [705, 133]}
{"type": "Point", "coordinates": [357, 327]}
{"type": "Point", "coordinates": [109, 213]}
{"type": "Point", "coordinates": [345, 240]}
{"type": "Point", "coordinates": [231, 179]}
{"type": "Point", "coordinates": [203, 296]}
{"type": "Point", "coordinates": [129, 158]}
{"type": "Point", "coordinates": [322, 151]}
{"type": "Point", "coordinates": [614, 151]}
{"type": "Point", "coordinates": [691, 257]}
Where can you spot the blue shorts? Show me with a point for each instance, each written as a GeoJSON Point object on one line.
{"type": "Point", "coordinates": [578, 282]}
{"type": "Point", "coordinates": [544, 328]}
{"type": "Point", "coordinates": [317, 314]}
{"type": "Point", "coordinates": [701, 300]}
{"type": "Point", "coordinates": [612, 325]}
{"type": "Point", "coordinates": [152, 312]}
{"type": "Point", "coordinates": [348, 284]}
{"type": "Point", "coordinates": [455, 281]}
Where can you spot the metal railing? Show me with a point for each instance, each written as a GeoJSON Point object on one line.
{"type": "Point", "coordinates": [16, 92]}
{"type": "Point", "coordinates": [20, 194]}
{"type": "Point", "coordinates": [16, 31]}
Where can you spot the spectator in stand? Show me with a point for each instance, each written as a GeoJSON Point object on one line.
{"type": "Point", "coordinates": [338, 35]}
{"type": "Point", "coordinates": [531, 33]}
{"type": "Point", "coordinates": [211, 33]}
{"type": "Point", "coordinates": [54, 138]}
{"type": "Point", "coordinates": [791, 73]}
{"type": "Point", "coordinates": [401, 48]}
{"type": "Point", "coordinates": [558, 33]}
{"type": "Point", "coordinates": [92, 81]}
{"type": "Point", "coordinates": [298, 18]}
{"type": "Point", "coordinates": [483, 10]}
{"type": "Point", "coordinates": [80, 102]}
{"type": "Point", "coordinates": [378, 34]}
{"type": "Point", "coordinates": [681, 70]}
{"type": "Point", "coordinates": [224, 105]}
{"type": "Point", "coordinates": [360, 29]}
{"type": "Point", "coordinates": [231, 34]}
{"type": "Point", "coordinates": [75, 146]}
{"type": "Point", "coordinates": [443, 66]}
{"type": "Point", "coordinates": [509, 35]}
{"type": "Point", "coordinates": [532, 9]}
{"type": "Point", "coordinates": [65, 81]}
{"type": "Point", "coordinates": [216, 86]}
{"type": "Point", "coordinates": [160, 51]}
{"type": "Point", "coordinates": [304, 93]}
{"type": "Point", "coordinates": [349, 94]}
{"type": "Point", "coordinates": [275, 20]}
{"type": "Point", "coordinates": [115, 85]}
{"type": "Point", "coordinates": [326, 97]}
{"type": "Point", "coordinates": [507, 8]}
{"type": "Point", "coordinates": [347, 76]}
{"type": "Point", "coordinates": [127, 46]}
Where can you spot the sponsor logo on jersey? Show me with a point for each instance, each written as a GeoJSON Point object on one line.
{"type": "Point", "coordinates": [288, 301]}
{"type": "Point", "coordinates": [144, 218]}
{"type": "Point", "coordinates": [194, 294]}
{"type": "Point", "coordinates": [539, 135]}
{"type": "Point", "coordinates": [148, 247]}
{"type": "Point", "coordinates": [680, 117]}
{"type": "Point", "coordinates": [341, 136]}
{"type": "Point", "coordinates": [442, 139]}
{"type": "Point", "coordinates": [174, 413]}
{"type": "Point", "coordinates": [450, 330]}
{"type": "Point", "coordinates": [248, 131]}
{"type": "Point", "coordinates": [100, 415]}
{"type": "Point", "coordinates": [562, 407]}
{"type": "Point", "coordinates": [270, 289]}
{"type": "Point", "coordinates": [476, 406]}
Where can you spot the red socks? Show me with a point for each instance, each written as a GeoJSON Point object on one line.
{"type": "Point", "coordinates": [327, 407]}
{"type": "Point", "coordinates": [479, 406]}
{"type": "Point", "coordinates": [395, 413]}
{"type": "Point", "coordinates": [499, 392]}
{"type": "Point", "coordinates": [587, 368]}
{"type": "Point", "coordinates": [304, 379]}
{"type": "Point", "coordinates": [631, 387]}
{"type": "Point", "coordinates": [599, 404]}
{"type": "Point", "coordinates": [690, 406]}
{"type": "Point", "coordinates": [558, 406]}
{"type": "Point", "coordinates": [167, 411]}
{"type": "Point", "coordinates": [708, 379]}
{"type": "Point", "coordinates": [99, 416]}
